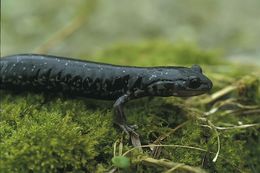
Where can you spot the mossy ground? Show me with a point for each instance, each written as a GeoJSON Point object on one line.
{"type": "Point", "coordinates": [43, 133]}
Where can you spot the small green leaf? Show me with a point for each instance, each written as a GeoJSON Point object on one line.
{"type": "Point", "coordinates": [121, 161]}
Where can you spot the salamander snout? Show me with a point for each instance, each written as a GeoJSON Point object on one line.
{"type": "Point", "coordinates": [206, 86]}
{"type": "Point", "coordinates": [210, 85]}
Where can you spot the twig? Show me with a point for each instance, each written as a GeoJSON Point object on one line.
{"type": "Point", "coordinates": [214, 128]}
{"type": "Point", "coordinates": [172, 145]}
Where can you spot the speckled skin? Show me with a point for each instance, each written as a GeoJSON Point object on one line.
{"type": "Point", "coordinates": [97, 80]}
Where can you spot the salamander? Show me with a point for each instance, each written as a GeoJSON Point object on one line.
{"type": "Point", "coordinates": [35, 72]}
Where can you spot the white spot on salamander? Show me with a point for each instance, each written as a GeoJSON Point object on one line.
{"type": "Point", "coordinates": [123, 71]}
{"type": "Point", "coordinates": [153, 76]}
{"type": "Point", "coordinates": [24, 68]}
{"type": "Point", "coordinates": [66, 63]}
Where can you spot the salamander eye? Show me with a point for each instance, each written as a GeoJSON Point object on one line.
{"type": "Point", "coordinates": [194, 83]}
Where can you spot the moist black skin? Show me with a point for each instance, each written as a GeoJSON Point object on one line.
{"type": "Point", "coordinates": [41, 73]}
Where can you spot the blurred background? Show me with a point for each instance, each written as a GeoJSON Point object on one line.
{"type": "Point", "coordinates": [84, 27]}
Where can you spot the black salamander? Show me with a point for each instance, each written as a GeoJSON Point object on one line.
{"type": "Point", "coordinates": [34, 72]}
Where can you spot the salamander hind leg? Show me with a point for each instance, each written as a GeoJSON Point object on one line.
{"type": "Point", "coordinates": [120, 118]}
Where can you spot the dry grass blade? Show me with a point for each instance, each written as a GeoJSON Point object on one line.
{"type": "Point", "coordinates": [67, 30]}
{"type": "Point", "coordinates": [156, 151]}
{"type": "Point", "coordinates": [172, 165]}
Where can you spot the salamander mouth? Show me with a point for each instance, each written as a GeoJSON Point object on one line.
{"type": "Point", "coordinates": [179, 88]}
{"type": "Point", "coordinates": [202, 89]}
{"type": "Point", "coordinates": [189, 93]}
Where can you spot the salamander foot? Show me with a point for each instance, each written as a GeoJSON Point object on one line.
{"type": "Point", "coordinates": [129, 129]}
{"type": "Point", "coordinates": [134, 136]}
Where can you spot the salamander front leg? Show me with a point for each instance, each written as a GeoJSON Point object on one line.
{"type": "Point", "coordinates": [120, 118]}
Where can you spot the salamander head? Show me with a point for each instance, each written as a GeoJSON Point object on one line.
{"type": "Point", "coordinates": [180, 81]}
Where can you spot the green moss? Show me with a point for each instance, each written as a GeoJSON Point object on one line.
{"type": "Point", "coordinates": [158, 53]}
{"type": "Point", "coordinates": [77, 135]}
{"type": "Point", "coordinates": [55, 137]}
